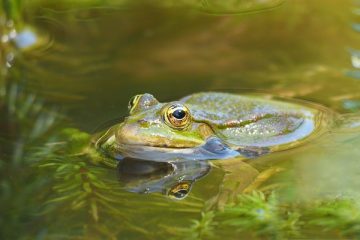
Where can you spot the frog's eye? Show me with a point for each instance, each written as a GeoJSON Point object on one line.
{"type": "Point", "coordinates": [177, 116]}
{"type": "Point", "coordinates": [180, 190]}
{"type": "Point", "coordinates": [133, 102]}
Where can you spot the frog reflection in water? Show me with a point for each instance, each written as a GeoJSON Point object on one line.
{"type": "Point", "coordinates": [211, 126]}
{"type": "Point", "coordinates": [173, 179]}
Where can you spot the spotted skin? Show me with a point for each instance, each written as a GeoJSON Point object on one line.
{"type": "Point", "coordinates": [250, 120]}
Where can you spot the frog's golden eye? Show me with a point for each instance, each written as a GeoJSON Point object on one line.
{"type": "Point", "coordinates": [177, 116]}
{"type": "Point", "coordinates": [133, 102]}
{"type": "Point", "coordinates": [180, 190]}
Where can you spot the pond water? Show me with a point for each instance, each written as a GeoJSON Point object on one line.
{"type": "Point", "coordinates": [94, 56]}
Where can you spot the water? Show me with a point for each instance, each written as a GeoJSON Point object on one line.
{"type": "Point", "coordinates": [91, 60]}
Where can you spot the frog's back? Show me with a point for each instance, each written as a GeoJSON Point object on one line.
{"type": "Point", "coordinates": [256, 121]}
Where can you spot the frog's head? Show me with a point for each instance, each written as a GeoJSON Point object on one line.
{"type": "Point", "coordinates": [164, 125]}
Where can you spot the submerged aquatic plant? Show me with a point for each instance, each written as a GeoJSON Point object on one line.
{"type": "Point", "coordinates": [267, 217]}
{"type": "Point", "coordinates": [81, 192]}
{"type": "Point", "coordinates": [338, 215]}
{"type": "Point", "coordinates": [52, 183]}
{"type": "Point", "coordinates": [205, 227]}
{"type": "Point", "coordinates": [24, 125]}
{"type": "Point", "coordinates": [11, 10]}
{"type": "Point", "coordinates": [200, 229]}
{"type": "Point", "coordinates": [38, 165]}
{"type": "Point", "coordinates": [260, 214]}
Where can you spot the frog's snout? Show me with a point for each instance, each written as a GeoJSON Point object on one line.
{"type": "Point", "coordinates": [127, 133]}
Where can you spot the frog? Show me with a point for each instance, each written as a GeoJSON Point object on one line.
{"type": "Point", "coordinates": [219, 130]}
{"type": "Point", "coordinates": [212, 125]}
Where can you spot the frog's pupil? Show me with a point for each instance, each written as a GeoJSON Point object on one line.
{"type": "Point", "coordinates": [179, 114]}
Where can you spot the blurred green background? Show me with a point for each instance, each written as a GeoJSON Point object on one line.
{"type": "Point", "coordinates": [91, 56]}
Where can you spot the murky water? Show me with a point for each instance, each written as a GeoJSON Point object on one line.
{"type": "Point", "coordinates": [91, 60]}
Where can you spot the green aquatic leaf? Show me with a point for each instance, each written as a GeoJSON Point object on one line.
{"type": "Point", "coordinates": [341, 215]}
{"type": "Point", "coordinates": [204, 227]}
{"type": "Point", "coordinates": [19, 196]}
{"type": "Point", "coordinates": [199, 229]}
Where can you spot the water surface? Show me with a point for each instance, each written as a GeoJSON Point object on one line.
{"type": "Point", "coordinates": [93, 59]}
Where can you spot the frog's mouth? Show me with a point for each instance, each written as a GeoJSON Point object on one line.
{"type": "Point", "coordinates": [212, 148]}
{"type": "Point", "coordinates": [157, 146]}
{"type": "Point", "coordinates": [149, 147]}
{"type": "Point", "coordinates": [164, 144]}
